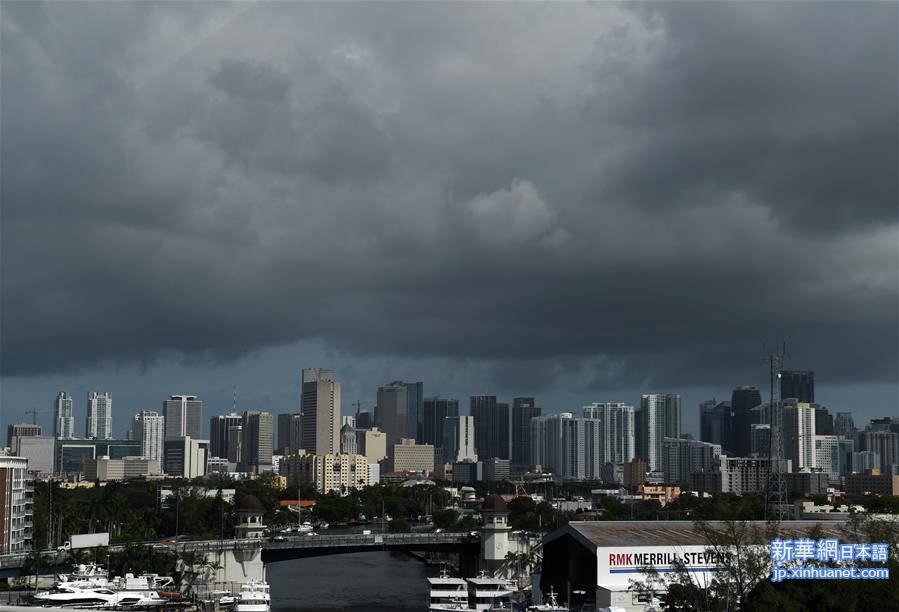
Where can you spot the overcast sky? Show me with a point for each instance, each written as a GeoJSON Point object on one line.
{"type": "Point", "coordinates": [582, 202]}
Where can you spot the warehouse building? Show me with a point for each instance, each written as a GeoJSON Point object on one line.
{"type": "Point", "coordinates": [595, 562]}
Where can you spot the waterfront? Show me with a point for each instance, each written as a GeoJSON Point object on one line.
{"type": "Point", "coordinates": [361, 582]}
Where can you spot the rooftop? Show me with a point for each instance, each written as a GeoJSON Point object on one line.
{"type": "Point", "coordinates": [665, 533]}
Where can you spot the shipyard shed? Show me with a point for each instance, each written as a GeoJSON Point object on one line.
{"type": "Point", "coordinates": [595, 562]}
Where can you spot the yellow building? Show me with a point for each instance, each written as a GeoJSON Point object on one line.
{"type": "Point", "coordinates": [328, 472]}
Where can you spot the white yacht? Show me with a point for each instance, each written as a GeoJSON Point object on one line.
{"type": "Point", "coordinates": [254, 597]}
{"type": "Point", "coordinates": [485, 593]}
{"type": "Point", "coordinates": [552, 604]}
{"type": "Point", "coordinates": [71, 596]}
{"type": "Point", "coordinates": [447, 594]}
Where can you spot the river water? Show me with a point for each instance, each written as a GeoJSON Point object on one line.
{"type": "Point", "coordinates": [358, 582]}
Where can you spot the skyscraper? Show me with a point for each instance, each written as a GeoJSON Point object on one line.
{"type": "Point", "coordinates": [320, 402]}
{"type": "Point", "coordinates": [415, 407]}
{"type": "Point", "coordinates": [799, 434]}
{"type": "Point", "coordinates": [742, 401]}
{"type": "Point", "coordinates": [616, 430]}
{"type": "Point", "coordinates": [459, 443]}
{"type": "Point", "coordinates": [392, 411]}
{"type": "Point", "coordinates": [99, 416]}
{"type": "Point", "coordinates": [183, 416]}
{"type": "Point", "coordinates": [64, 416]}
{"type": "Point", "coordinates": [798, 385]}
{"type": "Point", "coordinates": [844, 425]}
{"type": "Point", "coordinates": [148, 427]}
{"type": "Point", "coordinates": [436, 409]}
{"type": "Point", "coordinates": [659, 417]}
{"type": "Point", "coordinates": [220, 434]}
{"type": "Point", "coordinates": [348, 445]}
{"type": "Point", "coordinates": [256, 443]}
{"type": "Point", "coordinates": [285, 423]}
{"type": "Point", "coordinates": [714, 421]}
{"type": "Point", "coordinates": [523, 410]}
{"type": "Point", "coordinates": [491, 426]}
{"type": "Point", "coordinates": [567, 446]}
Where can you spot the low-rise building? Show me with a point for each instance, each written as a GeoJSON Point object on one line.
{"type": "Point", "coordinates": [662, 494]}
{"type": "Point", "coordinates": [496, 470]}
{"type": "Point", "coordinates": [872, 482]}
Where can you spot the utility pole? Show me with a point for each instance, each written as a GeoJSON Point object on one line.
{"type": "Point", "coordinates": [775, 490]}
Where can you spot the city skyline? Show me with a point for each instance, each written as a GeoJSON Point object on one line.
{"type": "Point", "coordinates": [606, 200]}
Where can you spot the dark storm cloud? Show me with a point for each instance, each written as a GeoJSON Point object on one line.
{"type": "Point", "coordinates": [627, 195]}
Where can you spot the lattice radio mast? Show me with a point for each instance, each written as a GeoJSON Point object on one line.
{"type": "Point", "coordinates": [776, 488]}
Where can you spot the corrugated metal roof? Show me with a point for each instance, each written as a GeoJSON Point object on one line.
{"type": "Point", "coordinates": [663, 533]}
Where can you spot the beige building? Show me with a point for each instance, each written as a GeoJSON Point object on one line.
{"type": "Point", "coordinates": [105, 469]}
{"type": "Point", "coordinates": [374, 444]}
{"type": "Point", "coordinates": [328, 472]}
{"type": "Point", "coordinates": [320, 406]}
{"type": "Point", "coordinates": [407, 456]}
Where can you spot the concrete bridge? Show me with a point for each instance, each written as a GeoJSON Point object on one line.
{"type": "Point", "coordinates": [294, 547]}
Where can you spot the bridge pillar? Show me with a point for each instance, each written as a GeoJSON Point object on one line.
{"type": "Point", "coordinates": [236, 566]}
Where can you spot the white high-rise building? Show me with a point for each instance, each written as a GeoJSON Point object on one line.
{"type": "Point", "coordinates": [659, 417]}
{"type": "Point", "coordinates": [99, 416]}
{"type": "Point", "coordinates": [827, 455]}
{"type": "Point", "coordinates": [183, 416]}
{"type": "Point", "coordinates": [467, 451]}
{"type": "Point", "coordinates": [148, 426]}
{"type": "Point", "coordinates": [799, 434]}
{"type": "Point", "coordinates": [64, 416]}
{"type": "Point", "coordinates": [617, 433]}
{"type": "Point", "coordinates": [567, 446]}
{"type": "Point", "coordinates": [320, 406]}
{"type": "Point", "coordinates": [16, 504]}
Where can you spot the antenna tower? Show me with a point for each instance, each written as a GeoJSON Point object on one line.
{"type": "Point", "coordinates": [776, 489]}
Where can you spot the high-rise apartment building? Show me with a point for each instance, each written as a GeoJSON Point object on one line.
{"type": "Point", "coordinates": [884, 443]}
{"type": "Point", "coordinates": [327, 473]}
{"type": "Point", "coordinates": [99, 416]}
{"type": "Point", "coordinates": [183, 416]}
{"type": "Point", "coordinates": [63, 416]}
{"type": "Point", "coordinates": [798, 385]}
{"type": "Point", "coordinates": [659, 417]}
{"type": "Point", "coordinates": [523, 410]}
{"type": "Point", "coordinates": [743, 399]}
{"type": "Point", "coordinates": [256, 442]}
{"type": "Point", "coordinates": [320, 403]}
{"type": "Point", "coordinates": [616, 430]}
{"type": "Point", "coordinates": [220, 433]}
{"type": "Point", "coordinates": [148, 426]}
{"type": "Point", "coordinates": [16, 505]}
{"type": "Point", "coordinates": [684, 457]}
{"type": "Point", "coordinates": [491, 426]}
{"type": "Point", "coordinates": [567, 446]}
{"type": "Point", "coordinates": [436, 409]}
{"type": "Point", "coordinates": [21, 430]}
{"type": "Point", "coordinates": [799, 434]}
